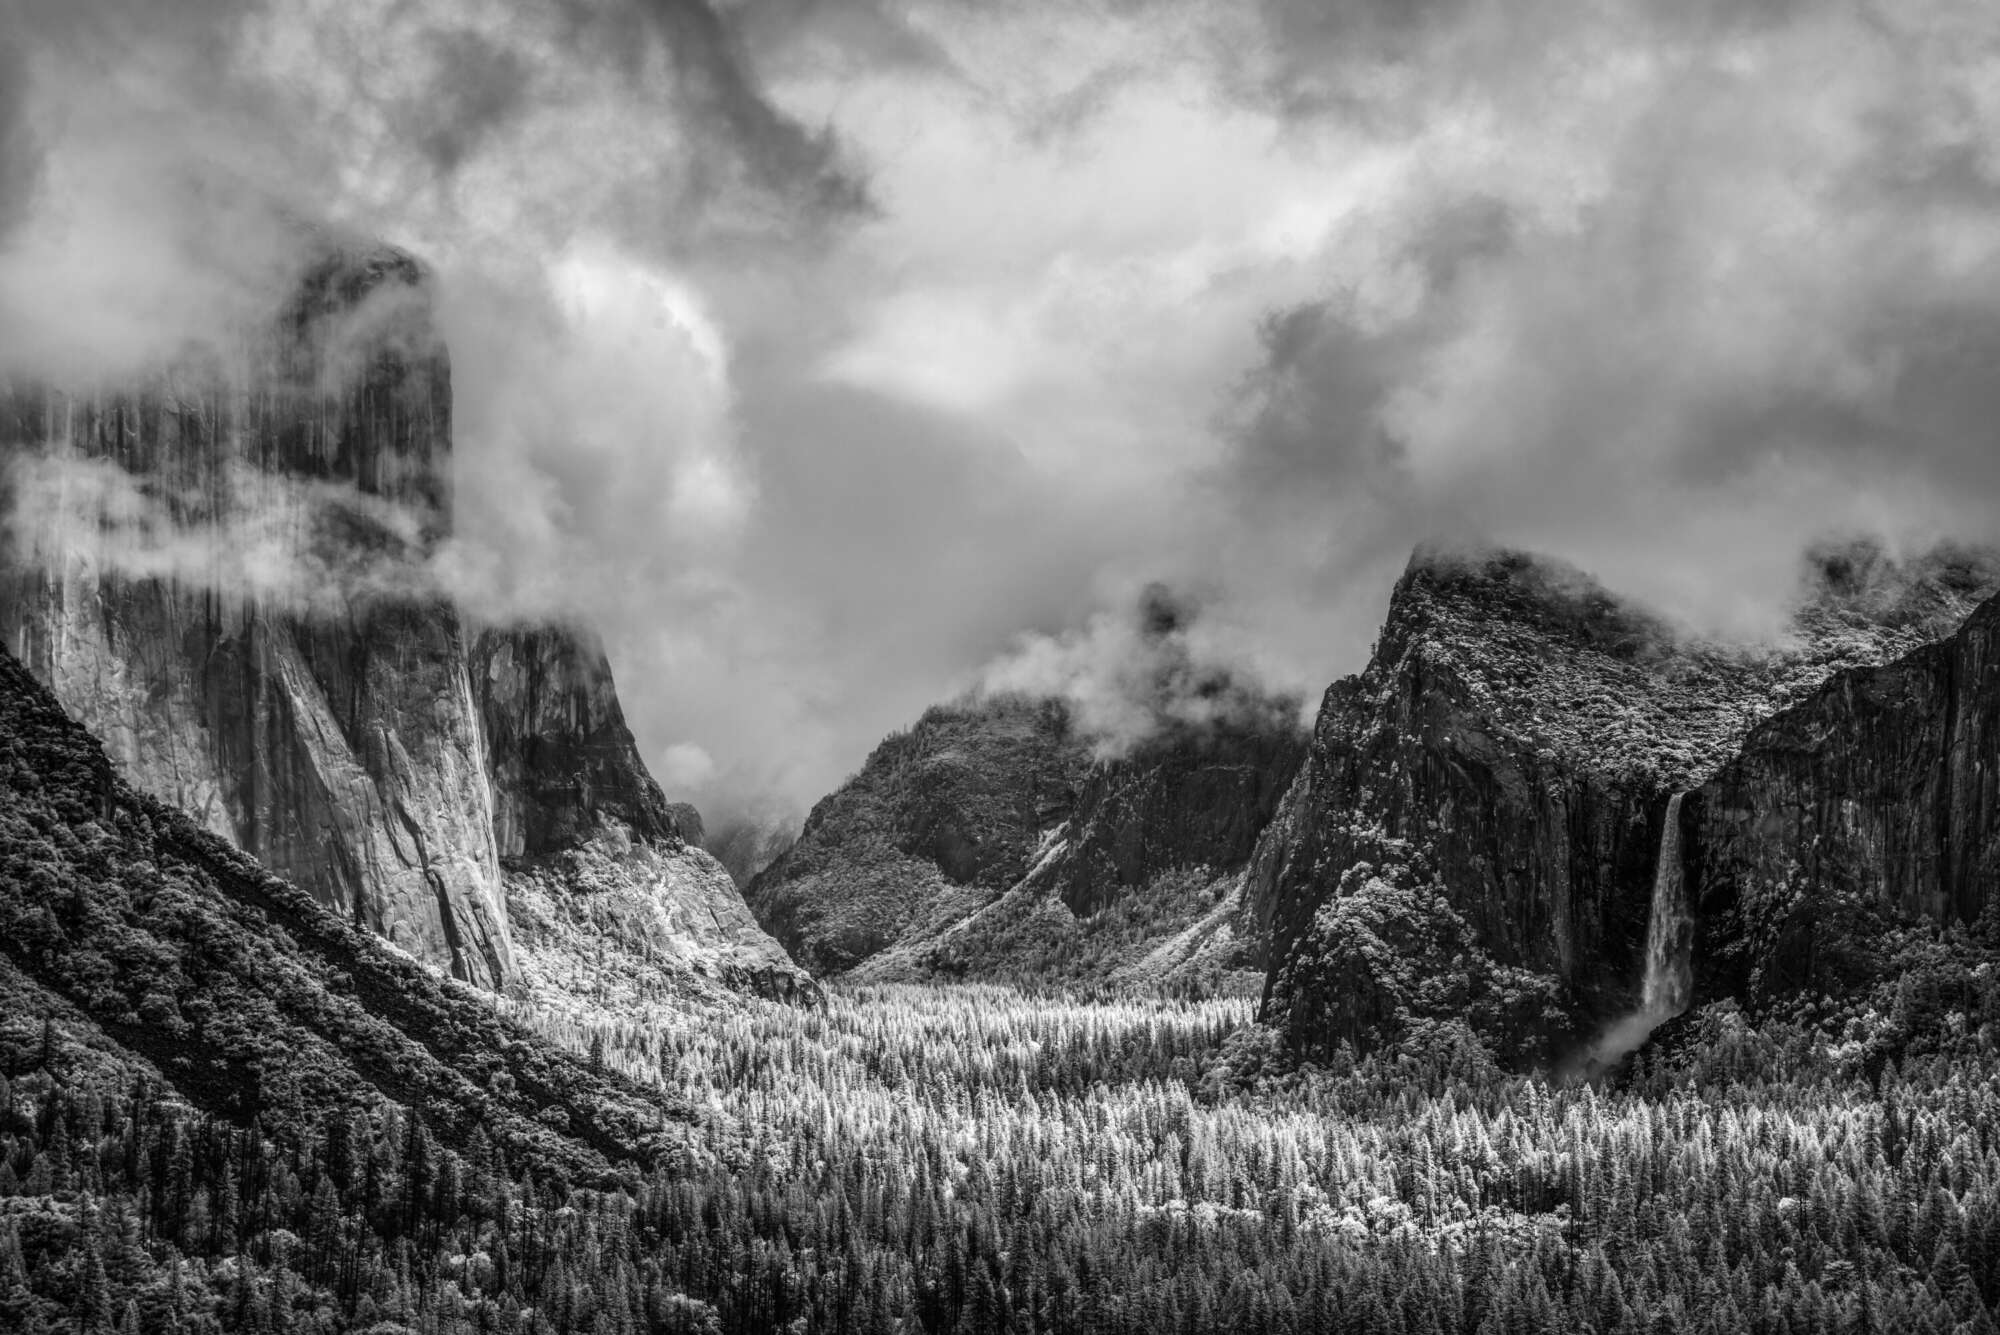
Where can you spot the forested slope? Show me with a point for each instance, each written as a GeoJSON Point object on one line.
{"type": "Point", "coordinates": [940, 819]}
{"type": "Point", "coordinates": [127, 931]}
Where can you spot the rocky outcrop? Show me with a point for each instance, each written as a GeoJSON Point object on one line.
{"type": "Point", "coordinates": [224, 574]}
{"type": "Point", "coordinates": [602, 875]}
{"type": "Point", "coordinates": [617, 922]}
{"type": "Point", "coordinates": [1483, 803]}
{"type": "Point", "coordinates": [1871, 805]}
{"type": "Point", "coordinates": [1439, 767]}
{"type": "Point", "coordinates": [562, 760]}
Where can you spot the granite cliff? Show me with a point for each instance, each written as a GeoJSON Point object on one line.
{"type": "Point", "coordinates": [1474, 831]}
{"type": "Point", "coordinates": [223, 573]}
{"type": "Point", "coordinates": [1869, 808]}
{"type": "Point", "coordinates": [562, 760]}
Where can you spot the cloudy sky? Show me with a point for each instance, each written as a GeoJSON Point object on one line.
{"type": "Point", "coordinates": [836, 355]}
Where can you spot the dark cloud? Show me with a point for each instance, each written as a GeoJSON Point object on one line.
{"type": "Point", "coordinates": [773, 151]}
{"type": "Point", "coordinates": [823, 348]}
{"type": "Point", "coordinates": [708, 55]}
{"type": "Point", "coordinates": [1312, 421]}
{"type": "Point", "coordinates": [477, 87]}
{"type": "Point", "coordinates": [1163, 613]}
{"type": "Point", "coordinates": [1317, 404]}
{"type": "Point", "coordinates": [1749, 302]}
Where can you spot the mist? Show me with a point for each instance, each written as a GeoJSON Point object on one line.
{"type": "Point", "coordinates": [1152, 671]}
{"type": "Point", "coordinates": [834, 359]}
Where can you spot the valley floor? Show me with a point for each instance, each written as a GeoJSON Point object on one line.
{"type": "Point", "coordinates": [980, 1159]}
{"type": "Point", "coordinates": [977, 1159]}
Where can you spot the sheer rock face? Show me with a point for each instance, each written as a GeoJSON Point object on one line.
{"type": "Point", "coordinates": [241, 994]}
{"type": "Point", "coordinates": [562, 759]}
{"type": "Point", "coordinates": [990, 842]}
{"type": "Point", "coordinates": [1428, 769]}
{"type": "Point", "coordinates": [584, 833]}
{"type": "Point", "coordinates": [1507, 755]}
{"type": "Point", "coordinates": [238, 644]}
{"type": "Point", "coordinates": [1875, 802]}
{"type": "Point", "coordinates": [1198, 798]}
{"type": "Point", "coordinates": [223, 575]}
{"type": "Point", "coordinates": [349, 763]}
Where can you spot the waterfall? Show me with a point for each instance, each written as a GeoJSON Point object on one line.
{"type": "Point", "coordinates": [1670, 930]}
{"type": "Point", "coordinates": [1669, 981]}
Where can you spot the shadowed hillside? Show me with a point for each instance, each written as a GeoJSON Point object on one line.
{"type": "Point", "coordinates": [151, 946]}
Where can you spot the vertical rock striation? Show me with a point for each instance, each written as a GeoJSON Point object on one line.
{"type": "Point", "coordinates": [563, 761]}
{"type": "Point", "coordinates": [224, 573]}
{"type": "Point", "coordinates": [603, 875]}
{"type": "Point", "coordinates": [209, 573]}
{"type": "Point", "coordinates": [1871, 804]}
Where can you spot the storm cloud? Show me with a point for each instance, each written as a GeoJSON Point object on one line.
{"type": "Point", "coordinates": [1668, 291]}
{"type": "Point", "coordinates": [837, 357]}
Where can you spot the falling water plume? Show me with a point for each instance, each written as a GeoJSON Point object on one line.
{"type": "Point", "coordinates": [1669, 980]}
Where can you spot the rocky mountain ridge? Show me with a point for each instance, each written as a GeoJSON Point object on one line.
{"type": "Point", "coordinates": [1475, 828]}
{"type": "Point", "coordinates": [992, 840]}
{"type": "Point", "coordinates": [938, 820]}
{"type": "Point", "coordinates": [1472, 832]}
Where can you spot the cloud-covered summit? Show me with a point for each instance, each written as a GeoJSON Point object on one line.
{"type": "Point", "coordinates": [1149, 671]}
